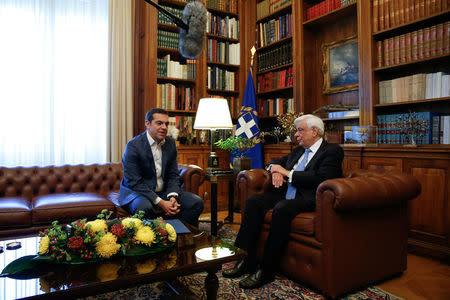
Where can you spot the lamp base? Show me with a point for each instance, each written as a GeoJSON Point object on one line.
{"type": "Point", "coordinates": [213, 163]}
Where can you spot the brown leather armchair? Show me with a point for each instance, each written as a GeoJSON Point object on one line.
{"type": "Point", "coordinates": [357, 235]}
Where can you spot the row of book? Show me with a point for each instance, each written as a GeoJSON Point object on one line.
{"type": "Point", "coordinates": [167, 39]}
{"type": "Point", "coordinates": [170, 96]}
{"type": "Point", "coordinates": [275, 80]}
{"type": "Point", "coordinates": [275, 57]}
{"type": "Point", "coordinates": [223, 26]}
{"type": "Point", "coordinates": [325, 7]}
{"type": "Point", "coordinates": [174, 69]}
{"type": "Point", "coordinates": [163, 19]}
{"type": "Point", "coordinates": [275, 107]}
{"type": "Point", "coordinates": [423, 128]}
{"type": "Point", "coordinates": [274, 30]}
{"type": "Point", "coordinates": [223, 52]}
{"type": "Point", "coordinates": [414, 87]}
{"type": "Point", "coordinates": [221, 79]}
{"type": "Point", "coordinates": [225, 5]}
{"type": "Point", "coordinates": [234, 106]}
{"type": "Point", "coordinates": [415, 45]}
{"type": "Point", "coordinates": [267, 7]}
{"type": "Point", "coordinates": [391, 13]}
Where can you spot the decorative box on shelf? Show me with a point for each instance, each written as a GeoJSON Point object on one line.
{"type": "Point", "coordinates": [360, 135]}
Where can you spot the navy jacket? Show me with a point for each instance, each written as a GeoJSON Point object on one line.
{"type": "Point", "coordinates": [139, 173]}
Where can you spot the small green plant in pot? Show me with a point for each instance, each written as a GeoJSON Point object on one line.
{"type": "Point", "coordinates": [238, 146]}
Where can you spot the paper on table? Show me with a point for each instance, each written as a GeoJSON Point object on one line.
{"type": "Point", "coordinates": [178, 226]}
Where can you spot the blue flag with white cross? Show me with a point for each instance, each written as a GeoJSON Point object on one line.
{"type": "Point", "coordinates": [247, 123]}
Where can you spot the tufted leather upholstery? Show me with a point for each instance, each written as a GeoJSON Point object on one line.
{"type": "Point", "coordinates": [31, 198]}
{"type": "Point", "coordinates": [357, 235]}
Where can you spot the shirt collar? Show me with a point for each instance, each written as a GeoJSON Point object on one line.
{"type": "Point", "coordinates": [151, 141]}
{"type": "Point", "coordinates": [316, 146]}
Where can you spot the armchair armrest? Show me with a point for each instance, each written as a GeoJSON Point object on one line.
{"type": "Point", "coordinates": [192, 177]}
{"type": "Point", "coordinates": [376, 191]}
{"type": "Point", "coordinates": [249, 182]}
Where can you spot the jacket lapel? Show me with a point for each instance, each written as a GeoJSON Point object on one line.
{"type": "Point", "coordinates": [148, 151]}
{"type": "Point", "coordinates": [317, 155]}
{"type": "Point", "coordinates": [298, 153]}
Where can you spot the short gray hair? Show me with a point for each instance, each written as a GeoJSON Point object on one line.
{"type": "Point", "coordinates": [312, 121]}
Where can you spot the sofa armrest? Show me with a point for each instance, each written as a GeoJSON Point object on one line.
{"type": "Point", "coordinates": [192, 177]}
{"type": "Point", "coordinates": [249, 182]}
{"type": "Point", "coordinates": [377, 191]}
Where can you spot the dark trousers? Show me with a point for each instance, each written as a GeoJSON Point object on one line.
{"type": "Point", "coordinates": [284, 211]}
{"type": "Point", "coordinates": [190, 209]}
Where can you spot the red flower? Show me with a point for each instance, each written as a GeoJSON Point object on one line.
{"type": "Point", "coordinates": [118, 230]}
{"type": "Point", "coordinates": [75, 242]}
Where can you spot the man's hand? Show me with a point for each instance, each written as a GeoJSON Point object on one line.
{"type": "Point", "coordinates": [279, 169]}
{"type": "Point", "coordinates": [277, 180]}
{"type": "Point", "coordinates": [171, 207]}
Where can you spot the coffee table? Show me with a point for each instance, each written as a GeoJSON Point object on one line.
{"type": "Point", "coordinates": [55, 281]}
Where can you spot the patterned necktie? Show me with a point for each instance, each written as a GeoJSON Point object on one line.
{"type": "Point", "coordinates": [290, 194]}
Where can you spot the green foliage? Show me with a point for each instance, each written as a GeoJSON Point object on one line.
{"type": "Point", "coordinates": [236, 145]}
{"type": "Point", "coordinates": [104, 214]}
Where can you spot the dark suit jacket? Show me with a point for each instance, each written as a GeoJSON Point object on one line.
{"type": "Point", "coordinates": [139, 173]}
{"type": "Point", "coordinates": [325, 164]}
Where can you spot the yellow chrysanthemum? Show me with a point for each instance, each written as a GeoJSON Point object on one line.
{"type": "Point", "coordinates": [145, 235]}
{"type": "Point", "coordinates": [172, 233]}
{"type": "Point", "coordinates": [127, 222]}
{"type": "Point", "coordinates": [146, 267]}
{"type": "Point", "coordinates": [108, 271]}
{"type": "Point", "coordinates": [98, 225]}
{"type": "Point", "coordinates": [43, 245]}
{"type": "Point", "coordinates": [107, 245]}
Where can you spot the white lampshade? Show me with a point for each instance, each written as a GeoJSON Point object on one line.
{"type": "Point", "coordinates": [213, 113]}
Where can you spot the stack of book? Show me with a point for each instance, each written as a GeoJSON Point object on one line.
{"type": "Point", "coordinates": [424, 127]}
{"type": "Point", "coordinates": [223, 26]}
{"type": "Point", "coordinates": [274, 30]}
{"type": "Point", "coordinates": [390, 13]}
{"type": "Point", "coordinates": [325, 7]}
{"type": "Point", "coordinates": [275, 80]}
{"type": "Point", "coordinates": [415, 87]}
{"type": "Point", "coordinates": [411, 46]}
{"type": "Point", "coordinates": [267, 7]}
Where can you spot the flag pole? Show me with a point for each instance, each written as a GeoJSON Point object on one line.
{"type": "Point", "coordinates": [252, 51]}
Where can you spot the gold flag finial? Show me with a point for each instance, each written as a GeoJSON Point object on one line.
{"type": "Point", "coordinates": [253, 51]}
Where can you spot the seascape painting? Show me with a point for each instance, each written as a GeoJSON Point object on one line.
{"type": "Point", "coordinates": [340, 66]}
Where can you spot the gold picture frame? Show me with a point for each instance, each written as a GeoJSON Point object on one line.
{"type": "Point", "coordinates": [340, 66]}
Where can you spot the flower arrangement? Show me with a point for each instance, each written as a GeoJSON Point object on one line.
{"type": "Point", "coordinates": [236, 145]}
{"type": "Point", "coordinates": [83, 241]}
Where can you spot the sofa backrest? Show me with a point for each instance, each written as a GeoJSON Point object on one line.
{"type": "Point", "coordinates": [35, 181]}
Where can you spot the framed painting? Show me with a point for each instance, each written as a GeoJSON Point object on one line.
{"type": "Point", "coordinates": [340, 66]}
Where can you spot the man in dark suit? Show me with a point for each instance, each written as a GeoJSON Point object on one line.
{"type": "Point", "coordinates": [295, 179]}
{"type": "Point", "coordinates": [151, 182]}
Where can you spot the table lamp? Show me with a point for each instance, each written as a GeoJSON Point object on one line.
{"type": "Point", "coordinates": [213, 114]}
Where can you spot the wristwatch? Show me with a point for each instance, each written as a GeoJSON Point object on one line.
{"type": "Point", "coordinates": [173, 196]}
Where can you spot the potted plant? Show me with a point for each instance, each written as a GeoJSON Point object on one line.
{"type": "Point", "coordinates": [238, 146]}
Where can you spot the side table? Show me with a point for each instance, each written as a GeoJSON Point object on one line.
{"type": "Point", "coordinates": [214, 179]}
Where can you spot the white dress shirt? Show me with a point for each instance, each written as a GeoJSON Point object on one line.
{"type": "Point", "coordinates": [157, 157]}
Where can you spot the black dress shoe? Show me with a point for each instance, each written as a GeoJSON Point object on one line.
{"type": "Point", "coordinates": [256, 279]}
{"type": "Point", "coordinates": [240, 268]}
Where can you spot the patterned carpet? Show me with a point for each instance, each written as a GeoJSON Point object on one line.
{"type": "Point", "coordinates": [281, 288]}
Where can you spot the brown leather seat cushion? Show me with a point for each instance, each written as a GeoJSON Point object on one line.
{"type": "Point", "coordinates": [68, 207]}
{"type": "Point", "coordinates": [15, 212]}
{"type": "Point", "coordinates": [303, 223]}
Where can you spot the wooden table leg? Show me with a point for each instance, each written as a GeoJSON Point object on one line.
{"type": "Point", "coordinates": [211, 285]}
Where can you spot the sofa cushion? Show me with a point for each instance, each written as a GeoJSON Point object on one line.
{"type": "Point", "coordinates": [303, 223]}
{"type": "Point", "coordinates": [14, 212]}
{"type": "Point", "coordinates": [68, 207]}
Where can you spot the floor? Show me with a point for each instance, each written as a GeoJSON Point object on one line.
{"type": "Point", "coordinates": [424, 278]}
